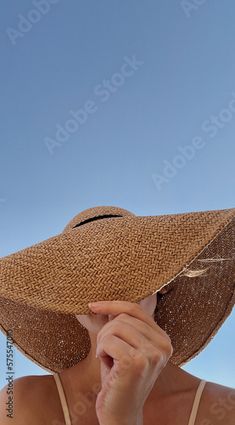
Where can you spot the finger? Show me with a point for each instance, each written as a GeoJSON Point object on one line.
{"type": "Point", "coordinates": [114, 347]}
{"type": "Point", "coordinates": [127, 325]}
{"type": "Point", "coordinates": [117, 307]}
{"type": "Point", "coordinates": [117, 354]}
{"type": "Point", "coordinates": [148, 330]}
{"type": "Point", "coordinates": [133, 337]}
{"type": "Point", "coordinates": [125, 331]}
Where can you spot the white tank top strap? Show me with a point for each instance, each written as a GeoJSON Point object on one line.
{"type": "Point", "coordinates": [196, 402]}
{"type": "Point", "coordinates": [63, 400]}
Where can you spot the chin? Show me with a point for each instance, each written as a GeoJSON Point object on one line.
{"type": "Point", "coordinates": [93, 323]}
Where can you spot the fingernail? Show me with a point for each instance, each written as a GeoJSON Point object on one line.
{"type": "Point", "coordinates": [91, 305]}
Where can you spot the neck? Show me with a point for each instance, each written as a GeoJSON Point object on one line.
{"type": "Point", "coordinates": [86, 376]}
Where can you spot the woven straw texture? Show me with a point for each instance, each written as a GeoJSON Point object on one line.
{"type": "Point", "coordinates": [108, 253]}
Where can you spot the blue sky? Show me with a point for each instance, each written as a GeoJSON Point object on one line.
{"type": "Point", "coordinates": [116, 103]}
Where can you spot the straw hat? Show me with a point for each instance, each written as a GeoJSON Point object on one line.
{"type": "Point", "coordinates": [109, 253]}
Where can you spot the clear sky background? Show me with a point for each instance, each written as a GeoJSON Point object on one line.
{"type": "Point", "coordinates": [116, 103]}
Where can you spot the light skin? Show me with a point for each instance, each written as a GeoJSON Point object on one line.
{"type": "Point", "coordinates": [169, 402]}
{"type": "Point", "coordinates": [86, 374]}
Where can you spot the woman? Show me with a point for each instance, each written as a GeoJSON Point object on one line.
{"type": "Point", "coordinates": [133, 380]}
{"type": "Point", "coordinates": [169, 401]}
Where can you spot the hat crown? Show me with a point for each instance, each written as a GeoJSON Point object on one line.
{"type": "Point", "coordinates": [96, 213]}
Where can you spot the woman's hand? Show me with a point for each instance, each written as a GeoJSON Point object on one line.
{"type": "Point", "coordinates": [133, 350]}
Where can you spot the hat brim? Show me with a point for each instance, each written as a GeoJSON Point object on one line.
{"type": "Point", "coordinates": [126, 258]}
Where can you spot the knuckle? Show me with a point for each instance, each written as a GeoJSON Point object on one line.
{"type": "Point", "coordinates": [139, 362]}
{"type": "Point", "coordinates": [167, 337]}
{"type": "Point", "coordinates": [117, 327]}
{"type": "Point", "coordinates": [169, 349]}
{"type": "Point", "coordinates": [157, 357]}
{"type": "Point", "coordinates": [122, 316]}
{"type": "Point", "coordinates": [127, 363]}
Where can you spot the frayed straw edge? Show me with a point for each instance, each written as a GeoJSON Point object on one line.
{"type": "Point", "coordinates": [214, 260]}
{"type": "Point", "coordinates": [196, 273]}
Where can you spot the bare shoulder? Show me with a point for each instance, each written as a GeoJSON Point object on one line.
{"type": "Point", "coordinates": [217, 405]}
{"type": "Point", "coordinates": [23, 405]}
